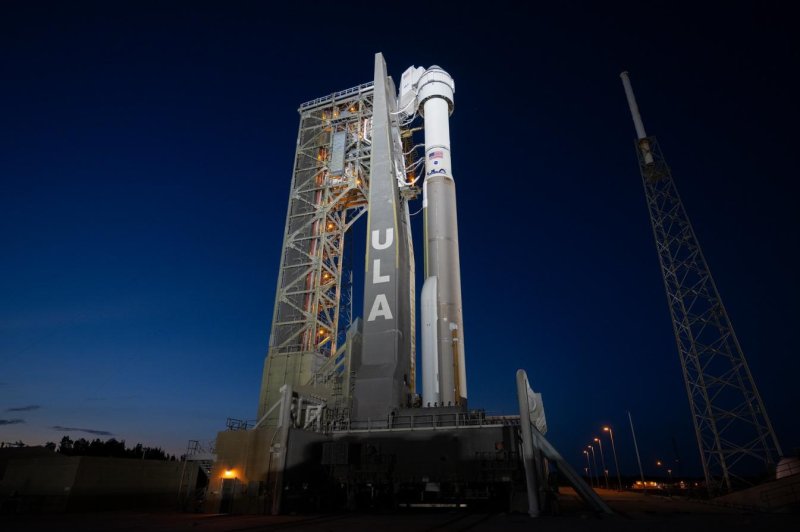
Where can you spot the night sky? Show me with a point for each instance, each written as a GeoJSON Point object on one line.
{"type": "Point", "coordinates": [145, 162]}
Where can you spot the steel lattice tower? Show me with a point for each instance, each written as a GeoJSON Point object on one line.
{"type": "Point", "coordinates": [734, 433]}
{"type": "Point", "coordinates": [328, 195]}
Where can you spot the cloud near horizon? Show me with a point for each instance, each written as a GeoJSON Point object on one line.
{"type": "Point", "coordinates": [78, 429]}
{"type": "Point", "coordinates": [11, 421]}
{"type": "Point", "coordinates": [26, 408]}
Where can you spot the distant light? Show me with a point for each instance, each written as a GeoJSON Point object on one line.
{"type": "Point", "coordinates": [229, 473]}
{"type": "Point", "coordinates": [597, 439]}
{"type": "Point", "coordinates": [606, 429]}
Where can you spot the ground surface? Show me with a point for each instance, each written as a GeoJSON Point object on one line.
{"type": "Point", "coordinates": [634, 511]}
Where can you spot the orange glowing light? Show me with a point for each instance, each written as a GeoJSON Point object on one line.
{"type": "Point", "coordinates": [228, 473]}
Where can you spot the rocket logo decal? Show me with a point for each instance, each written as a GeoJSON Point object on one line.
{"type": "Point", "coordinates": [380, 306]}
{"type": "Point", "coordinates": [376, 243]}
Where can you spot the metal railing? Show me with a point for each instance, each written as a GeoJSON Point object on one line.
{"type": "Point", "coordinates": [335, 96]}
{"type": "Point", "coordinates": [428, 421]}
{"type": "Point", "coordinates": [238, 424]}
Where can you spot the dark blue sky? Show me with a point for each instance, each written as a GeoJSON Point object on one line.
{"type": "Point", "coordinates": [145, 161]}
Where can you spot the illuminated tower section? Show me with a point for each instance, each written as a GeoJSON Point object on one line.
{"type": "Point", "coordinates": [328, 194]}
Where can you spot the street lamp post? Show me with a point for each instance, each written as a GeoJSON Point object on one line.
{"type": "Point", "coordinates": [614, 450]}
{"type": "Point", "coordinates": [659, 463]}
{"type": "Point", "coordinates": [594, 459]}
{"type": "Point", "coordinates": [668, 484]}
{"type": "Point", "coordinates": [588, 467]}
{"type": "Point", "coordinates": [603, 461]}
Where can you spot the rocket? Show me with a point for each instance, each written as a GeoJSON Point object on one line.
{"type": "Point", "coordinates": [384, 369]}
{"type": "Point", "coordinates": [444, 380]}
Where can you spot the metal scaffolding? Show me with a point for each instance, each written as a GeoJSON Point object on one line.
{"type": "Point", "coordinates": [328, 195]}
{"type": "Point", "coordinates": [734, 433]}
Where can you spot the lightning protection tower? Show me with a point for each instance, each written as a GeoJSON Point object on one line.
{"type": "Point", "coordinates": [733, 431]}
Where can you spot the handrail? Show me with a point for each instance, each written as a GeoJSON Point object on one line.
{"type": "Point", "coordinates": [335, 95]}
{"type": "Point", "coordinates": [429, 421]}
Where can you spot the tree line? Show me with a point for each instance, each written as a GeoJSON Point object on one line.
{"type": "Point", "coordinates": [109, 448]}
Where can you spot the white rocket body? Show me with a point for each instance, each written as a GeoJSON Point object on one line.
{"type": "Point", "coordinates": [444, 378]}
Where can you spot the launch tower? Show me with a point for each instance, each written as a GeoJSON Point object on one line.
{"type": "Point", "coordinates": [339, 416]}
{"type": "Point", "coordinates": [328, 195]}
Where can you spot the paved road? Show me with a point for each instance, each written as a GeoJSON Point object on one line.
{"type": "Point", "coordinates": [634, 511]}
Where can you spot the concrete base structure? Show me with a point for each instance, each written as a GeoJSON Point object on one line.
{"type": "Point", "coordinates": [236, 468]}
{"type": "Point", "coordinates": [427, 466]}
{"type": "Point", "coordinates": [50, 482]}
{"type": "Point", "coordinates": [431, 457]}
{"type": "Point", "coordinates": [248, 474]}
{"type": "Point", "coordinates": [782, 495]}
